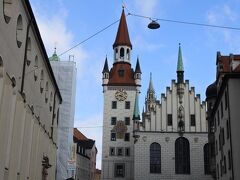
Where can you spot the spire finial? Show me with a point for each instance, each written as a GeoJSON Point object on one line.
{"type": "Point", "coordinates": [150, 83]}
{"type": "Point", "coordinates": [122, 37]}
{"type": "Point", "coordinates": [180, 62]}
{"type": "Point", "coordinates": [180, 68]}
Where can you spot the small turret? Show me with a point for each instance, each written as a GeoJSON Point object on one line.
{"type": "Point", "coordinates": [151, 99]}
{"type": "Point", "coordinates": [137, 73]}
{"type": "Point", "coordinates": [105, 75]}
{"type": "Point", "coordinates": [54, 57]}
{"type": "Point", "coordinates": [136, 113]}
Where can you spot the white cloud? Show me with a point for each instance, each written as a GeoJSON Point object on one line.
{"type": "Point", "coordinates": [144, 45]}
{"type": "Point", "coordinates": [55, 32]}
{"type": "Point", "coordinates": [224, 16]}
{"type": "Point", "coordinates": [92, 129]}
{"type": "Point", "coordinates": [146, 7]}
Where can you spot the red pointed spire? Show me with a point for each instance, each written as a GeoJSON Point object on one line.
{"type": "Point", "coordinates": [122, 37]}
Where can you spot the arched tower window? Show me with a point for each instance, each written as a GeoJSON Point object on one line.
{"type": "Point", "coordinates": [116, 53]}
{"type": "Point", "coordinates": [128, 54]}
{"type": "Point", "coordinates": [7, 4]}
{"type": "Point", "coordinates": [122, 53]}
{"type": "Point", "coordinates": [206, 159]}
{"type": "Point", "coordinates": [155, 158]}
{"type": "Point", "coordinates": [182, 156]}
{"type": "Point", "coordinates": [19, 31]}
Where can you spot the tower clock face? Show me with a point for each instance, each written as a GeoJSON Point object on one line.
{"type": "Point", "coordinates": [121, 95]}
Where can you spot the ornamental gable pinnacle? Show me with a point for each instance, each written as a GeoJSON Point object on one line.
{"type": "Point", "coordinates": [105, 68]}
{"type": "Point", "coordinates": [122, 37]}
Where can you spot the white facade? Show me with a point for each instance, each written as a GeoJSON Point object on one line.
{"type": "Point", "coordinates": [110, 161]}
{"type": "Point", "coordinates": [65, 74]}
{"type": "Point", "coordinates": [29, 97]}
{"type": "Point", "coordinates": [161, 125]}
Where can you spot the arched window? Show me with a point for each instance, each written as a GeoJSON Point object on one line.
{"type": "Point", "coordinates": [206, 158]}
{"type": "Point", "coordinates": [7, 4]}
{"type": "Point", "coordinates": [155, 158]}
{"type": "Point", "coordinates": [36, 62]}
{"type": "Point", "coordinates": [128, 54]}
{"type": "Point", "coordinates": [46, 92]}
{"type": "Point", "coordinates": [122, 53]}
{"type": "Point", "coordinates": [46, 86]}
{"type": "Point", "coordinates": [116, 53]}
{"type": "Point", "coordinates": [1, 67]}
{"type": "Point", "coordinates": [29, 48]}
{"type": "Point", "coordinates": [42, 75]}
{"type": "Point", "coordinates": [51, 96]}
{"type": "Point", "coordinates": [19, 31]}
{"type": "Point", "coordinates": [182, 156]}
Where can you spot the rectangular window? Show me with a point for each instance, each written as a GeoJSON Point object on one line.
{"type": "Point", "coordinates": [217, 171]}
{"type": "Point", "coordinates": [126, 137]}
{"type": "Point", "coordinates": [127, 105]}
{"type": "Point", "coordinates": [127, 121]}
{"type": "Point", "coordinates": [223, 136]}
{"type": "Point", "coordinates": [219, 140]}
{"type": "Point", "coordinates": [226, 100]}
{"type": "Point", "coordinates": [113, 136]}
{"type": "Point", "coordinates": [113, 120]}
{"type": "Point", "coordinates": [193, 120]}
{"type": "Point", "coordinates": [120, 151]}
{"type": "Point", "coordinates": [225, 165]}
{"type": "Point", "coordinates": [169, 120]}
{"type": "Point", "coordinates": [221, 168]}
{"type": "Point", "coordinates": [119, 170]}
{"type": "Point", "coordinates": [218, 117]}
{"type": "Point", "coordinates": [112, 151]}
{"type": "Point", "coordinates": [114, 104]}
{"type": "Point", "coordinates": [228, 132]}
{"type": "Point", "coordinates": [221, 109]}
{"type": "Point", "coordinates": [229, 160]}
{"type": "Point", "coordinates": [127, 151]}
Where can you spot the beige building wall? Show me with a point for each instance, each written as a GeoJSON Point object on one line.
{"type": "Point", "coordinates": [29, 96]}
{"type": "Point", "coordinates": [156, 129]}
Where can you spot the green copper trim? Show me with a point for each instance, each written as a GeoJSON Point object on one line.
{"type": "Point", "coordinates": [54, 57]}
{"type": "Point", "coordinates": [180, 62]}
{"type": "Point", "coordinates": [136, 113]}
{"type": "Point", "coordinates": [150, 88]}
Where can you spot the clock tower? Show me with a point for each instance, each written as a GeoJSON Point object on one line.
{"type": "Point", "coordinates": [121, 86]}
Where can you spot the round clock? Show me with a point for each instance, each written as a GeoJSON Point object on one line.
{"type": "Point", "coordinates": [121, 95]}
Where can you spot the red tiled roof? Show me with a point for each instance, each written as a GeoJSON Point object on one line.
{"type": "Point", "coordinates": [237, 69]}
{"type": "Point", "coordinates": [78, 135]}
{"type": "Point", "coordinates": [122, 37]}
{"type": "Point", "coordinates": [116, 79]}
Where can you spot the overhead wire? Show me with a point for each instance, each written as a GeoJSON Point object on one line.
{"type": "Point", "coordinates": [98, 32]}
{"type": "Point", "coordinates": [150, 18]}
{"type": "Point", "coordinates": [184, 22]}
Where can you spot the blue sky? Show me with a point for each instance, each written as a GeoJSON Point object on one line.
{"type": "Point", "coordinates": [65, 23]}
